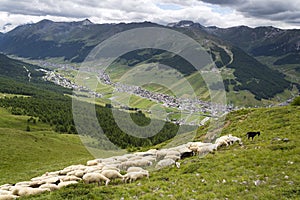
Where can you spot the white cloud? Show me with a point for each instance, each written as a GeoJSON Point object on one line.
{"type": "Point", "coordinates": [158, 11]}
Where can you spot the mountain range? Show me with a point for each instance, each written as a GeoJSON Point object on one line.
{"type": "Point", "coordinates": [245, 52]}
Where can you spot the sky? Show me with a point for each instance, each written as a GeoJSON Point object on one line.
{"type": "Point", "coordinates": [222, 13]}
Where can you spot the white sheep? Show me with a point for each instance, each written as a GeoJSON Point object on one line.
{"type": "Point", "coordinates": [221, 141]}
{"type": "Point", "coordinates": [26, 191]}
{"type": "Point", "coordinates": [50, 186]}
{"type": "Point", "coordinates": [161, 154]}
{"type": "Point", "coordinates": [8, 197]}
{"type": "Point", "coordinates": [125, 165]}
{"type": "Point", "coordinates": [143, 163]}
{"type": "Point", "coordinates": [150, 158]}
{"type": "Point", "coordinates": [135, 169]}
{"type": "Point", "coordinates": [23, 184]}
{"type": "Point", "coordinates": [44, 180]}
{"type": "Point", "coordinates": [112, 174]}
{"type": "Point", "coordinates": [6, 187]}
{"type": "Point", "coordinates": [108, 167]}
{"type": "Point", "coordinates": [173, 157]}
{"type": "Point", "coordinates": [233, 139]}
{"type": "Point", "coordinates": [207, 149]}
{"type": "Point", "coordinates": [93, 169]}
{"type": "Point", "coordinates": [165, 163]}
{"type": "Point", "coordinates": [92, 162]}
{"type": "Point", "coordinates": [70, 178]}
{"type": "Point", "coordinates": [196, 144]}
{"type": "Point", "coordinates": [63, 184]}
{"type": "Point", "coordinates": [95, 178]}
{"type": "Point", "coordinates": [78, 173]}
{"type": "Point", "coordinates": [133, 176]}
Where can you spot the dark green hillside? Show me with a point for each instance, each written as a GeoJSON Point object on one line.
{"type": "Point", "coordinates": [289, 59]}
{"type": "Point", "coordinates": [260, 41]}
{"type": "Point", "coordinates": [260, 80]}
{"type": "Point", "coordinates": [16, 69]}
{"type": "Point", "coordinates": [57, 111]}
{"type": "Point", "coordinates": [266, 168]}
{"type": "Point", "coordinates": [14, 79]}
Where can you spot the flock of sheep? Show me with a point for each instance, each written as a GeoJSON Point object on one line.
{"type": "Point", "coordinates": [107, 169]}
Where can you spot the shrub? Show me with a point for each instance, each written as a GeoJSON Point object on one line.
{"type": "Point", "coordinates": [296, 101]}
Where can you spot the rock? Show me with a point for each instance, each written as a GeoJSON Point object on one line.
{"type": "Point", "coordinates": [257, 182]}
{"type": "Point", "coordinates": [285, 140]}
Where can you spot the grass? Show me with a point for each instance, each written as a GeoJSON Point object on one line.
{"type": "Point", "coordinates": [229, 173]}
{"type": "Point", "coordinates": [3, 95]}
{"type": "Point", "coordinates": [27, 154]}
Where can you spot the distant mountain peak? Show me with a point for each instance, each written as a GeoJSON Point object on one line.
{"type": "Point", "coordinates": [45, 21]}
{"type": "Point", "coordinates": [185, 24]}
{"type": "Point", "coordinates": [86, 22]}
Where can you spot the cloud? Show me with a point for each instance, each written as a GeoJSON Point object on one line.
{"type": "Point", "coordinates": [207, 12]}
{"type": "Point", "coordinates": [275, 10]}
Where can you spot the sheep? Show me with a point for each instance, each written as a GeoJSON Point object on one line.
{"type": "Point", "coordinates": [26, 191]}
{"type": "Point", "coordinates": [55, 173]}
{"type": "Point", "coordinates": [49, 180]}
{"type": "Point", "coordinates": [93, 168]}
{"type": "Point", "coordinates": [107, 160]}
{"type": "Point", "coordinates": [165, 163]}
{"type": "Point", "coordinates": [110, 168]}
{"type": "Point", "coordinates": [63, 184]}
{"type": "Point", "coordinates": [150, 158]}
{"type": "Point", "coordinates": [112, 174]}
{"type": "Point", "coordinates": [173, 157]}
{"type": "Point", "coordinates": [135, 158]}
{"type": "Point", "coordinates": [4, 192]}
{"type": "Point", "coordinates": [76, 167]}
{"type": "Point", "coordinates": [125, 165]}
{"type": "Point", "coordinates": [161, 154]}
{"type": "Point", "coordinates": [50, 186]}
{"type": "Point", "coordinates": [121, 158]}
{"type": "Point", "coordinates": [194, 146]}
{"type": "Point", "coordinates": [133, 176]}
{"type": "Point", "coordinates": [70, 178]}
{"type": "Point", "coordinates": [183, 149]}
{"type": "Point", "coordinates": [78, 173]}
{"type": "Point", "coordinates": [23, 184]}
{"type": "Point", "coordinates": [233, 139]}
{"type": "Point", "coordinates": [136, 169]}
{"type": "Point", "coordinates": [207, 149]}
{"type": "Point", "coordinates": [95, 178]}
{"type": "Point", "coordinates": [6, 187]}
{"type": "Point", "coordinates": [92, 162]}
{"type": "Point", "coordinates": [223, 140]}
{"type": "Point", "coordinates": [136, 163]}
{"type": "Point", "coordinates": [8, 197]}
{"type": "Point", "coordinates": [142, 163]}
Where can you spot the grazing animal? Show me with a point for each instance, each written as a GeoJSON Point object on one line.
{"type": "Point", "coordinates": [95, 178]}
{"type": "Point", "coordinates": [133, 176]}
{"type": "Point", "coordinates": [252, 134]}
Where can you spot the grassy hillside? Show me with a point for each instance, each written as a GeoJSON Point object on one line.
{"type": "Point", "coordinates": [27, 154]}
{"type": "Point", "coordinates": [230, 173]}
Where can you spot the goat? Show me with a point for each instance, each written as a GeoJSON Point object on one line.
{"type": "Point", "coordinates": [252, 134]}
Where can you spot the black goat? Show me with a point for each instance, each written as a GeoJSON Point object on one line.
{"type": "Point", "coordinates": [252, 134]}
